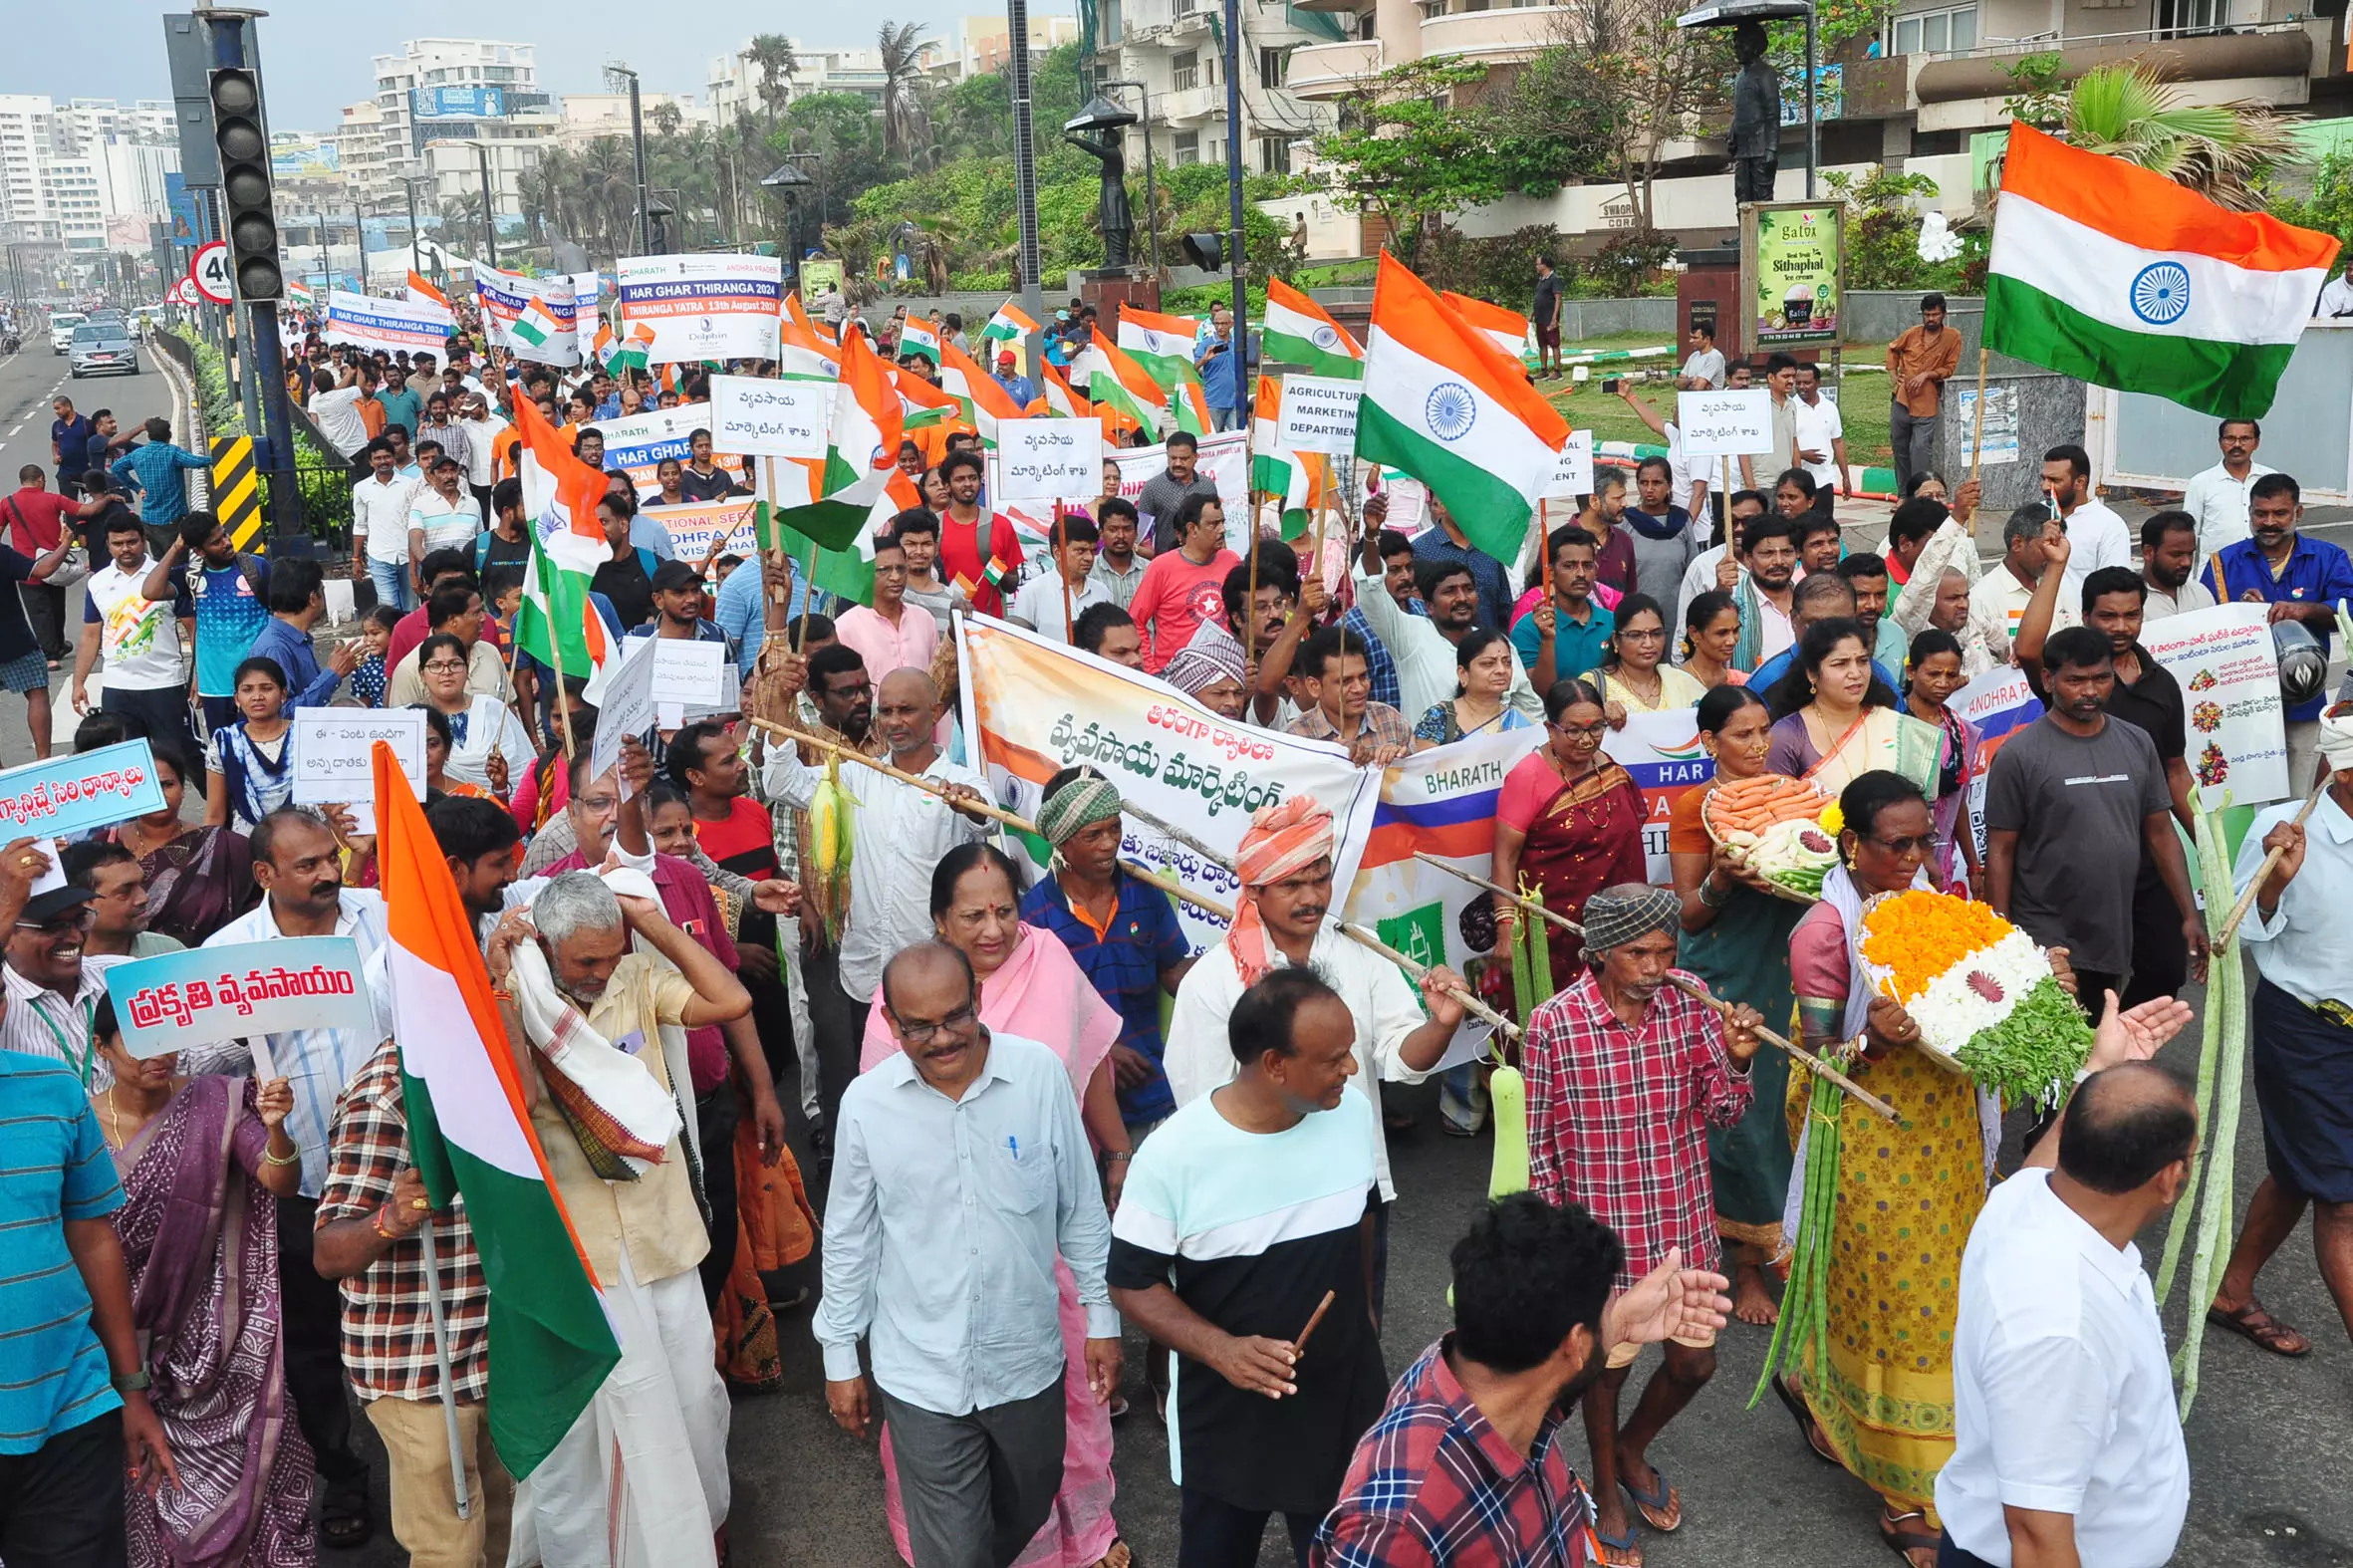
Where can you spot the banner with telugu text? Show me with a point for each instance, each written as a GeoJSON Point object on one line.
{"type": "Point", "coordinates": [639, 444]}
{"type": "Point", "coordinates": [2228, 668]}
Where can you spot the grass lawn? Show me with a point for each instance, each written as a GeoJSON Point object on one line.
{"type": "Point", "coordinates": [1586, 407]}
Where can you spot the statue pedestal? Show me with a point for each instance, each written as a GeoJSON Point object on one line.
{"type": "Point", "coordinates": [1708, 289]}
{"type": "Point", "coordinates": [1107, 288]}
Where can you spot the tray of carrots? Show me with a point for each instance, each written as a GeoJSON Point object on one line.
{"type": "Point", "coordinates": [1772, 825]}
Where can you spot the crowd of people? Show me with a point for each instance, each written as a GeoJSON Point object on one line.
{"type": "Point", "coordinates": [1014, 1159]}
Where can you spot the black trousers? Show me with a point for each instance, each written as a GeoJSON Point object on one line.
{"type": "Point", "coordinates": [2160, 957]}
{"type": "Point", "coordinates": [715, 1116]}
{"type": "Point", "coordinates": [1214, 1533]}
{"type": "Point", "coordinates": [840, 1025]}
{"type": "Point", "coordinates": [61, 1506]}
{"type": "Point", "coordinates": [311, 1312]}
{"type": "Point", "coordinates": [162, 711]}
{"type": "Point", "coordinates": [45, 606]}
{"type": "Point", "coordinates": [1952, 1555]}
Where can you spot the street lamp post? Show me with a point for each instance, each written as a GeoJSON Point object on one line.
{"type": "Point", "coordinates": [408, 189]}
{"type": "Point", "coordinates": [638, 138]}
{"type": "Point", "coordinates": [482, 156]}
{"type": "Point", "coordinates": [1152, 205]}
{"type": "Point", "coordinates": [1233, 191]}
{"type": "Point", "coordinates": [1025, 182]}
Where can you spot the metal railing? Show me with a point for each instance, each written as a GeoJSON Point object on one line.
{"type": "Point", "coordinates": [2052, 42]}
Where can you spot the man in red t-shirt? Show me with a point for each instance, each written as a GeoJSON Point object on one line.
{"type": "Point", "coordinates": [33, 519]}
{"type": "Point", "coordinates": [1185, 585]}
{"type": "Point", "coordinates": [979, 554]}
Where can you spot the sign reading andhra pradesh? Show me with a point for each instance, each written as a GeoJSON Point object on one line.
{"type": "Point", "coordinates": [1319, 413]}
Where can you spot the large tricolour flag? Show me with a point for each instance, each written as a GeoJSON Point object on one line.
{"type": "Point", "coordinates": [1011, 324]}
{"type": "Point", "coordinates": [559, 490]}
{"type": "Point", "coordinates": [1443, 405]}
{"type": "Point", "coordinates": [550, 1344]}
{"type": "Point", "coordinates": [1161, 345]}
{"type": "Point", "coordinates": [1302, 479]}
{"type": "Point", "coordinates": [2114, 274]}
{"type": "Point", "coordinates": [920, 337]}
{"type": "Point", "coordinates": [1301, 332]}
{"type": "Point", "coordinates": [858, 485]}
{"type": "Point", "coordinates": [986, 403]}
{"type": "Point", "coordinates": [1124, 393]}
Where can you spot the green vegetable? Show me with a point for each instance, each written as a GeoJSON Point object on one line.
{"type": "Point", "coordinates": [1507, 1094]}
{"type": "Point", "coordinates": [1806, 1301]}
{"type": "Point", "coordinates": [2037, 1050]}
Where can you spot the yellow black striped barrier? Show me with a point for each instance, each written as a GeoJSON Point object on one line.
{"type": "Point", "coordinates": [236, 491]}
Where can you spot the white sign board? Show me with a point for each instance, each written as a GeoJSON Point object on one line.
{"type": "Point", "coordinates": [2228, 671]}
{"type": "Point", "coordinates": [335, 756]}
{"type": "Point", "coordinates": [1572, 474]}
{"type": "Point", "coordinates": [688, 672]}
{"type": "Point", "coordinates": [702, 307]}
{"type": "Point", "coordinates": [628, 709]}
{"type": "Point", "coordinates": [763, 418]}
{"type": "Point", "coordinates": [1727, 423]}
{"type": "Point", "coordinates": [1319, 413]}
{"type": "Point", "coordinates": [209, 271]}
{"type": "Point", "coordinates": [1042, 459]}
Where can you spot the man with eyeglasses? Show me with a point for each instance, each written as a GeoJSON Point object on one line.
{"type": "Point", "coordinates": [118, 927]}
{"type": "Point", "coordinates": [52, 987]}
{"type": "Point", "coordinates": [1284, 864]}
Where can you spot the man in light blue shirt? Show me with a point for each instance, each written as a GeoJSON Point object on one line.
{"type": "Point", "coordinates": [960, 1171]}
{"type": "Point", "coordinates": [741, 609]}
{"type": "Point", "coordinates": [1225, 375]}
{"type": "Point", "coordinates": [155, 467]}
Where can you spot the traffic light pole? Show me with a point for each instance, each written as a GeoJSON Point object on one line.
{"type": "Point", "coordinates": [289, 537]}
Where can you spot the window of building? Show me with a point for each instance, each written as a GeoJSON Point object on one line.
{"type": "Point", "coordinates": [2188, 16]}
{"type": "Point", "coordinates": [1188, 146]}
{"type": "Point", "coordinates": [1937, 32]}
{"type": "Point", "coordinates": [1185, 71]}
{"type": "Point", "coordinates": [1274, 154]}
{"type": "Point", "coordinates": [1273, 67]}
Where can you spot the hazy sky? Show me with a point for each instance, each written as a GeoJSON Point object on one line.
{"type": "Point", "coordinates": [317, 54]}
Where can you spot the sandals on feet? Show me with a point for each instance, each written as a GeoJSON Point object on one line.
{"type": "Point", "coordinates": [1615, 1551]}
{"type": "Point", "coordinates": [2251, 1322]}
{"type": "Point", "coordinates": [344, 1519]}
{"type": "Point", "coordinates": [1661, 1509]}
{"type": "Point", "coordinates": [1904, 1542]}
{"type": "Point", "coordinates": [1806, 1427]}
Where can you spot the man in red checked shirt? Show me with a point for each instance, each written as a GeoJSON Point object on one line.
{"type": "Point", "coordinates": [979, 553]}
{"type": "Point", "coordinates": [1466, 1460]}
{"type": "Point", "coordinates": [1625, 1075]}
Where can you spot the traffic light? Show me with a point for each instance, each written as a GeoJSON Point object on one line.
{"type": "Point", "coordinates": [1206, 251]}
{"type": "Point", "coordinates": [245, 145]}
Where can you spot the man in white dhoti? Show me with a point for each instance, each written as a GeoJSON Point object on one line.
{"type": "Point", "coordinates": [642, 1477]}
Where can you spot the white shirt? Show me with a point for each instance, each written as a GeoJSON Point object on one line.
{"type": "Point", "coordinates": [316, 1063]}
{"type": "Point", "coordinates": [2062, 1396]}
{"type": "Point", "coordinates": [2191, 594]}
{"type": "Point", "coordinates": [138, 636]}
{"type": "Point", "coordinates": [1426, 669]}
{"type": "Point", "coordinates": [42, 1022]}
{"type": "Point", "coordinates": [2337, 297]}
{"type": "Point", "coordinates": [1819, 425]}
{"type": "Point", "coordinates": [1684, 473]}
{"type": "Point", "coordinates": [942, 1225]}
{"type": "Point", "coordinates": [480, 469]}
{"type": "Point", "coordinates": [1999, 603]}
{"type": "Point", "coordinates": [1199, 1057]}
{"type": "Point", "coordinates": [445, 524]}
{"type": "Point", "coordinates": [379, 517]}
{"type": "Point", "coordinates": [337, 415]}
{"type": "Point", "coordinates": [1697, 579]}
{"type": "Point", "coordinates": [2096, 538]}
{"type": "Point", "coordinates": [1038, 603]}
{"type": "Point", "coordinates": [900, 833]}
{"type": "Point", "coordinates": [2307, 947]}
{"type": "Point", "coordinates": [2219, 502]}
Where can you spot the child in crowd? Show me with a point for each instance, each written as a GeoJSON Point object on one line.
{"type": "Point", "coordinates": [252, 762]}
{"type": "Point", "coordinates": [376, 639]}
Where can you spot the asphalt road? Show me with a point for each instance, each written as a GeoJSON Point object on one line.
{"type": "Point", "coordinates": [2270, 1445]}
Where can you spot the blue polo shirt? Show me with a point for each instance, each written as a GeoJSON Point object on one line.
{"type": "Point", "coordinates": [2316, 573]}
{"type": "Point", "coordinates": [1576, 650]}
{"type": "Point", "coordinates": [72, 437]}
{"type": "Point", "coordinates": [401, 408]}
{"type": "Point", "coordinates": [53, 1167]}
{"type": "Point", "coordinates": [1123, 961]}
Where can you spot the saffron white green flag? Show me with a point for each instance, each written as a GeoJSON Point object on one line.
{"type": "Point", "coordinates": [920, 337]}
{"type": "Point", "coordinates": [1300, 332]}
{"type": "Point", "coordinates": [1161, 345]}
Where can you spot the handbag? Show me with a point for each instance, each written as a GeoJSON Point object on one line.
{"type": "Point", "coordinates": [73, 568]}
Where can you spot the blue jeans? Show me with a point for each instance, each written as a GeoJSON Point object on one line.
{"type": "Point", "coordinates": [391, 584]}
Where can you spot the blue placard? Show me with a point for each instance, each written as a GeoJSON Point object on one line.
{"type": "Point", "coordinates": [177, 1000]}
{"type": "Point", "coordinates": [67, 794]}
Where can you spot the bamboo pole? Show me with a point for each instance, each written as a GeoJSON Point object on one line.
{"type": "Point", "coordinates": [1070, 621]}
{"type": "Point", "coordinates": [1250, 608]}
{"type": "Point", "coordinates": [1699, 993]}
{"type": "Point", "coordinates": [2246, 899]}
{"type": "Point", "coordinates": [1977, 425]}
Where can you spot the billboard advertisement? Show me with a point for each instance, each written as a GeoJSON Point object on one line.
{"type": "Point", "coordinates": [189, 212]}
{"type": "Point", "coordinates": [1792, 283]}
{"type": "Point", "coordinates": [457, 103]}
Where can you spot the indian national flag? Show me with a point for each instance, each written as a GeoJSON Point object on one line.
{"type": "Point", "coordinates": [1443, 405]}
{"type": "Point", "coordinates": [984, 401]}
{"type": "Point", "coordinates": [538, 334]}
{"type": "Point", "coordinates": [851, 489]}
{"type": "Point", "coordinates": [557, 623]}
{"type": "Point", "coordinates": [808, 354]}
{"type": "Point", "coordinates": [1055, 398]}
{"type": "Point", "coordinates": [1011, 324]}
{"type": "Point", "coordinates": [559, 490]}
{"type": "Point", "coordinates": [629, 353]}
{"type": "Point", "coordinates": [2114, 274]}
{"type": "Point", "coordinates": [421, 290]}
{"type": "Point", "coordinates": [297, 295]}
{"type": "Point", "coordinates": [1300, 479]}
{"type": "Point", "coordinates": [1124, 393]}
{"type": "Point", "coordinates": [1506, 329]}
{"type": "Point", "coordinates": [470, 1137]}
{"type": "Point", "coordinates": [920, 337]}
{"type": "Point", "coordinates": [602, 346]}
{"type": "Point", "coordinates": [1161, 345]}
{"type": "Point", "coordinates": [1300, 332]}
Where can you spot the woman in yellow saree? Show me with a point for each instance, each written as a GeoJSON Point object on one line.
{"type": "Point", "coordinates": [1835, 721]}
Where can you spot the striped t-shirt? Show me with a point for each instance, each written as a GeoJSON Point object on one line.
{"type": "Point", "coordinates": [1253, 1228]}
{"type": "Point", "coordinates": [53, 1167]}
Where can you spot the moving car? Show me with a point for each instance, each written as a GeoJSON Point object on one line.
{"type": "Point", "coordinates": [61, 329]}
{"type": "Point", "coordinates": [103, 346]}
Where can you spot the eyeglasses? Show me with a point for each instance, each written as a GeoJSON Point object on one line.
{"type": "Point", "coordinates": [1654, 634]}
{"type": "Point", "coordinates": [919, 1033]}
{"type": "Point", "coordinates": [1918, 844]}
{"type": "Point", "coordinates": [65, 924]}
{"type": "Point", "coordinates": [444, 667]}
{"type": "Point", "coordinates": [1579, 731]}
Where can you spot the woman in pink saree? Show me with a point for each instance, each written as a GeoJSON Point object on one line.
{"type": "Point", "coordinates": [203, 1162]}
{"type": "Point", "coordinates": [1030, 986]}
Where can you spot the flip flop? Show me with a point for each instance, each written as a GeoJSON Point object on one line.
{"type": "Point", "coordinates": [1662, 1509]}
{"type": "Point", "coordinates": [2251, 1322]}
{"type": "Point", "coordinates": [1806, 1428]}
{"type": "Point", "coordinates": [1904, 1542]}
{"type": "Point", "coordinates": [1615, 1551]}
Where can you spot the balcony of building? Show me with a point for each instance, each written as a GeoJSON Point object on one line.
{"type": "Point", "coordinates": [1322, 72]}
{"type": "Point", "coordinates": [1473, 31]}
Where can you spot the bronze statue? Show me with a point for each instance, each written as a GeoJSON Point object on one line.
{"type": "Point", "coordinates": [1756, 116]}
{"type": "Point", "coordinates": [1112, 213]}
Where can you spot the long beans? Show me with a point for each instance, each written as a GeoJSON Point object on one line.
{"type": "Point", "coordinates": [1806, 1301]}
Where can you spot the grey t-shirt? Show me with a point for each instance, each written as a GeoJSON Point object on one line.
{"type": "Point", "coordinates": [1158, 505]}
{"type": "Point", "coordinates": [2077, 804]}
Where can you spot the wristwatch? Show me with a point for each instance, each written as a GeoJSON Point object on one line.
{"type": "Point", "coordinates": [134, 1383]}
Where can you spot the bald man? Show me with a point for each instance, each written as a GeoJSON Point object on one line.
{"type": "Point", "coordinates": [900, 833]}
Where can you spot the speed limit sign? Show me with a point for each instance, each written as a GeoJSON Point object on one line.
{"type": "Point", "coordinates": [209, 271]}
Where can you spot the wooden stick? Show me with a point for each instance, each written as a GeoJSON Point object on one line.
{"type": "Point", "coordinates": [778, 558]}
{"type": "Point", "coordinates": [1978, 425]}
{"type": "Point", "coordinates": [1545, 547]}
{"type": "Point", "coordinates": [1251, 608]}
{"type": "Point", "coordinates": [2246, 899]}
{"type": "Point", "coordinates": [1070, 621]}
{"type": "Point", "coordinates": [1698, 994]}
{"type": "Point", "coordinates": [1320, 1307]}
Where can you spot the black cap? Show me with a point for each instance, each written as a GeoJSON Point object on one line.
{"type": "Point", "coordinates": [671, 576]}
{"type": "Point", "coordinates": [42, 907]}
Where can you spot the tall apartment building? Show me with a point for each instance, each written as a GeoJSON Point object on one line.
{"type": "Point", "coordinates": [732, 84]}
{"type": "Point", "coordinates": [86, 122]}
{"type": "Point", "coordinates": [584, 118]}
{"type": "Point", "coordinates": [979, 48]}
{"type": "Point", "coordinates": [359, 145]}
{"type": "Point", "coordinates": [25, 140]}
{"type": "Point", "coordinates": [457, 76]}
{"type": "Point", "coordinates": [73, 207]}
{"type": "Point", "coordinates": [1173, 47]}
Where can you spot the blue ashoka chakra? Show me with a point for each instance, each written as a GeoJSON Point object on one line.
{"type": "Point", "coordinates": [1325, 337]}
{"type": "Point", "coordinates": [2160, 293]}
{"type": "Point", "coordinates": [1451, 411]}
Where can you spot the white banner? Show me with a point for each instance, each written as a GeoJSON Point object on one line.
{"type": "Point", "coordinates": [1225, 457]}
{"type": "Point", "coordinates": [1572, 474]}
{"type": "Point", "coordinates": [1727, 423]}
{"type": "Point", "coordinates": [585, 307]}
{"type": "Point", "coordinates": [365, 322]}
{"type": "Point", "coordinates": [2230, 674]}
{"type": "Point", "coordinates": [765, 418]}
{"type": "Point", "coordinates": [718, 307]}
{"type": "Point", "coordinates": [1042, 459]}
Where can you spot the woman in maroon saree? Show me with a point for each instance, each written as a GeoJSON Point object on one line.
{"type": "Point", "coordinates": [1568, 820]}
{"type": "Point", "coordinates": [202, 1161]}
{"type": "Point", "coordinates": [198, 877]}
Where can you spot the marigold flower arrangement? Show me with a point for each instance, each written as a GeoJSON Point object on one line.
{"type": "Point", "coordinates": [1980, 990]}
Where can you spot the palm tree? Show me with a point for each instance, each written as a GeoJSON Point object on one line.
{"type": "Point", "coordinates": [2220, 151]}
{"type": "Point", "coordinates": [772, 53]}
{"type": "Point", "coordinates": [906, 115]}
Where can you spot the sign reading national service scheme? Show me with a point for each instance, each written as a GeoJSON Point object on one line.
{"type": "Point", "coordinates": [718, 307]}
